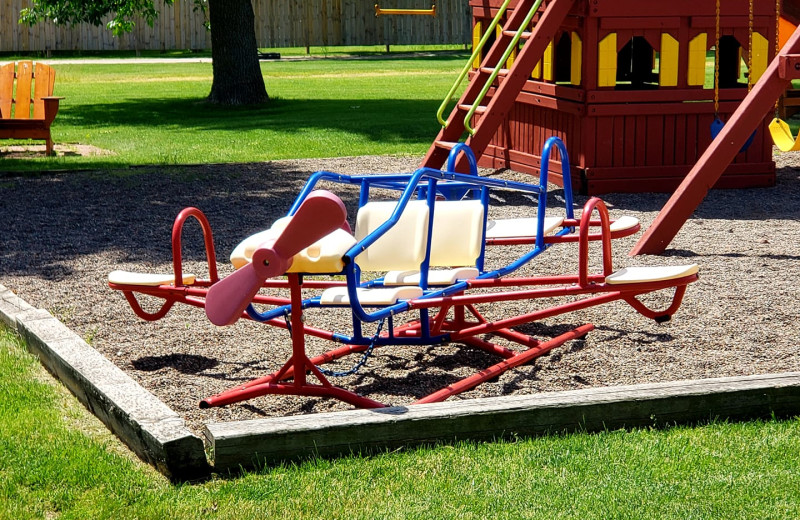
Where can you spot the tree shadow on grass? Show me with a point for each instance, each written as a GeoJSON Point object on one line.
{"type": "Point", "coordinates": [179, 126]}
{"type": "Point", "coordinates": [400, 119]}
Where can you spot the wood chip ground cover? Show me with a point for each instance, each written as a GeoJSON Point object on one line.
{"type": "Point", "coordinates": [63, 233]}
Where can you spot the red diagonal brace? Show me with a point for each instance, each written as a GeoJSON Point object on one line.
{"type": "Point", "coordinates": [721, 151]}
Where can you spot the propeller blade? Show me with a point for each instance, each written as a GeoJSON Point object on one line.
{"type": "Point", "coordinates": [319, 215]}
{"type": "Point", "coordinates": [227, 299]}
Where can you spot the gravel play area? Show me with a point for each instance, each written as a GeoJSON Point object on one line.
{"type": "Point", "coordinates": [63, 233]}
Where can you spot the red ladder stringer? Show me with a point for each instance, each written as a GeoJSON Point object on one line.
{"type": "Point", "coordinates": [510, 82]}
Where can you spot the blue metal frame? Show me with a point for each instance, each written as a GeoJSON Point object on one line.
{"type": "Point", "coordinates": [427, 184]}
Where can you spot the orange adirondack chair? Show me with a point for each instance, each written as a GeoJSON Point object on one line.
{"type": "Point", "coordinates": [27, 111]}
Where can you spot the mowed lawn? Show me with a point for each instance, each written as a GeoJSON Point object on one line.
{"type": "Point", "coordinates": [57, 461]}
{"type": "Point", "coordinates": [154, 113]}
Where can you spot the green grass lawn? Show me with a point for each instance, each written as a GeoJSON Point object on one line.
{"type": "Point", "coordinates": [343, 106]}
{"type": "Point", "coordinates": [58, 461]}
{"type": "Point", "coordinates": [155, 113]}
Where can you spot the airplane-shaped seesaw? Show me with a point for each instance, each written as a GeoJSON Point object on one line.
{"type": "Point", "coordinates": [426, 248]}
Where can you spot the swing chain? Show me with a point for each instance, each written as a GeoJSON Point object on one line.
{"type": "Point", "coordinates": [777, 47]}
{"type": "Point", "coordinates": [777, 26]}
{"type": "Point", "coordinates": [361, 362]}
{"type": "Point", "coordinates": [288, 319]}
{"type": "Point", "coordinates": [750, 46]}
{"type": "Point", "coordinates": [716, 60]}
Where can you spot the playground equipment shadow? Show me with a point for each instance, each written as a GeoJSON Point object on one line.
{"type": "Point", "coordinates": [67, 231]}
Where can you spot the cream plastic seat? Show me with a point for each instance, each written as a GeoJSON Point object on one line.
{"type": "Point", "coordinates": [457, 240]}
{"type": "Point", "coordinates": [372, 296]}
{"type": "Point", "coordinates": [623, 223]}
{"type": "Point", "coordinates": [323, 256]}
{"type": "Point", "coordinates": [651, 273]}
{"type": "Point", "coordinates": [435, 276]}
{"type": "Point", "coordinates": [457, 233]}
{"type": "Point", "coordinates": [149, 279]}
{"type": "Point", "coordinates": [520, 227]}
{"type": "Point", "coordinates": [402, 246]}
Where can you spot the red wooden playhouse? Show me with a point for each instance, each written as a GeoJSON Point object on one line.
{"type": "Point", "coordinates": [622, 82]}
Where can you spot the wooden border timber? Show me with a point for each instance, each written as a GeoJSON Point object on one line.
{"type": "Point", "coordinates": [255, 442]}
{"type": "Point", "coordinates": [773, 83]}
{"type": "Point", "coordinates": [159, 436]}
{"type": "Point", "coordinates": [148, 426]}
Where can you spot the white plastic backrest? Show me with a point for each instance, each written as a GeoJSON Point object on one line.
{"type": "Point", "coordinates": [400, 248]}
{"type": "Point", "coordinates": [457, 233]}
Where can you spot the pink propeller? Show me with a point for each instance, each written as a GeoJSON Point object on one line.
{"type": "Point", "coordinates": [320, 214]}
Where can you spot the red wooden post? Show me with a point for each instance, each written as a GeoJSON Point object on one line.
{"type": "Point", "coordinates": [721, 151]}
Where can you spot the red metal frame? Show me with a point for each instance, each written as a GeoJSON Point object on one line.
{"type": "Point", "coordinates": [301, 376]}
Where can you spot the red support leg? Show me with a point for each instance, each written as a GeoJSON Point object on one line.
{"type": "Point", "coordinates": [495, 370]}
{"type": "Point", "coordinates": [295, 369]}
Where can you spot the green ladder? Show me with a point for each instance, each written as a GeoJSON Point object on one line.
{"type": "Point", "coordinates": [474, 119]}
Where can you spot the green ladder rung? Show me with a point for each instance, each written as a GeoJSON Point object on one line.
{"type": "Point", "coordinates": [475, 53]}
{"type": "Point", "coordinates": [516, 35]}
{"type": "Point", "coordinates": [504, 59]}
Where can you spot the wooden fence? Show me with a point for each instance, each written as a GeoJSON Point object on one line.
{"type": "Point", "coordinates": [279, 23]}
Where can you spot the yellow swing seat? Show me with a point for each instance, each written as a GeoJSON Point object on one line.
{"type": "Point", "coordinates": [782, 136]}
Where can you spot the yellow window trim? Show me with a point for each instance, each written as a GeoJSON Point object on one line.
{"type": "Point", "coordinates": [576, 59]}
{"type": "Point", "coordinates": [697, 60]}
{"type": "Point", "coordinates": [760, 56]}
{"type": "Point", "coordinates": [607, 61]}
{"type": "Point", "coordinates": [668, 61]}
{"type": "Point", "coordinates": [477, 33]}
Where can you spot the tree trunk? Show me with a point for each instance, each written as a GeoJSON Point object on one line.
{"type": "Point", "coordinates": [237, 74]}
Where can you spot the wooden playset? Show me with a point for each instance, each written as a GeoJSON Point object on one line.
{"type": "Point", "coordinates": [622, 82]}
